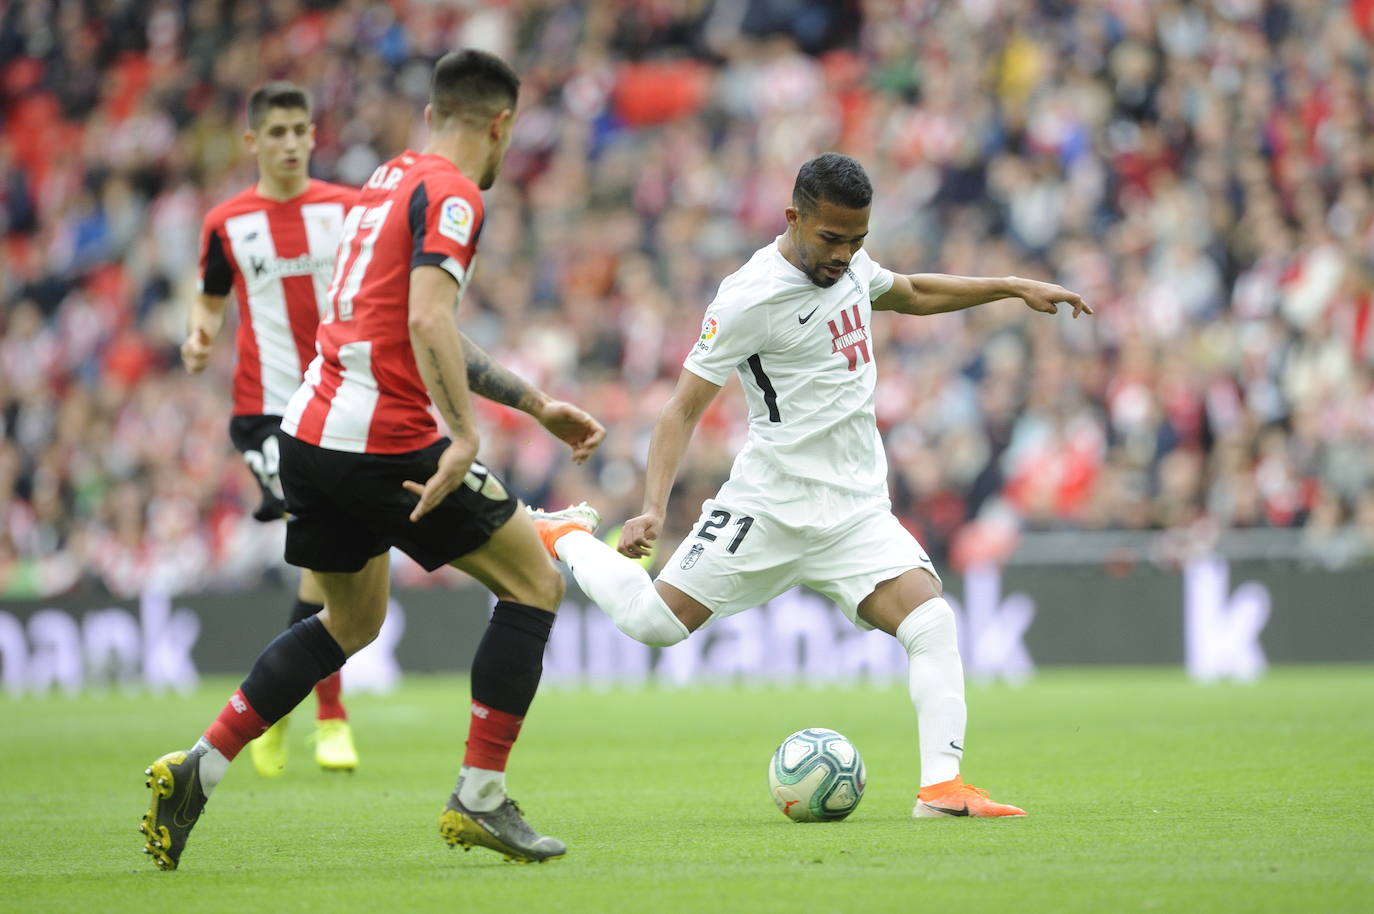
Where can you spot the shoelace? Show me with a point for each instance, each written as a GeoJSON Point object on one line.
{"type": "Point", "coordinates": [521, 824]}
{"type": "Point", "coordinates": [978, 790]}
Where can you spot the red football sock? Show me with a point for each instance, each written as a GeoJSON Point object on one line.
{"type": "Point", "coordinates": [490, 737]}
{"type": "Point", "coordinates": [237, 726]}
{"type": "Point", "coordinates": [327, 692]}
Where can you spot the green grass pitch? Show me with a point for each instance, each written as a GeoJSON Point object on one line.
{"type": "Point", "coordinates": [1146, 793]}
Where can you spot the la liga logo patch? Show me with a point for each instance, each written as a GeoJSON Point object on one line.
{"type": "Point", "coordinates": [455, 219]}
{"type": "Point", "coordinates": [709, 327]}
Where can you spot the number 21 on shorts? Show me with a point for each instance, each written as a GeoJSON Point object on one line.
{"type": "Point", "coordinates": [717, 522]}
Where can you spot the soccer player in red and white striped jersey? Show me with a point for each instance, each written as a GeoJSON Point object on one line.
{"type": "Point", "coordinates": [365, 392]}
{"type": "Point", "coordinates": [273, 246]}
{"type": "Point", "coordinates": [358, 440]}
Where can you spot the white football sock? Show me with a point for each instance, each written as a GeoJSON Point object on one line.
{"type": "Point", "coordinates": [213, 766]}
{"type": "Point", "coordinates": [621, 588]}
{"type": "Point", "coordinates": [483, 789]}
{"type": "Point", "coordinates": [936, 682]}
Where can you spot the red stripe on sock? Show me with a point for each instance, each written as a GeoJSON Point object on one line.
{"type": "Point", "coordinates": [490, 737]}
{"type": "Point", "coordinates": [237, 726]}
{"type": "Point", "coordinates": [327, 693]}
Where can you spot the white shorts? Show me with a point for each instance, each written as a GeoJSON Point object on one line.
{"type": "Point", "coordinates": [759, 538]}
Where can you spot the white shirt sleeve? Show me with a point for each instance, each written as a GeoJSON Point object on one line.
{"type": "Point", "coordinates": [732, 331]}
{"type": "Point", "coordinates": [879, 279]}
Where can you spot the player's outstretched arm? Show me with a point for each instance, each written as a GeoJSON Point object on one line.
{"type": "Point", "coordinates": [439, 356]}
{"type": "Point", "coordinates": [672, 432]}
{"type": "Point", "coordinates": [937, 293]}
{"type": "Point", "coordinates": [570, 424]}
{"type": "Point", "coordinates": [202, 326]}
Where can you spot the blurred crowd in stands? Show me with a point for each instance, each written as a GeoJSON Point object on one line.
{"type": "Point", "coordinates": [1200, 171]}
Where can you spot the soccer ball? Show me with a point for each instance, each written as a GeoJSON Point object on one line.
{"type": "Point", "coordinates": [816, 776]}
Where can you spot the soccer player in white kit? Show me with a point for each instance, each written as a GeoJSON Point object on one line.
{"type": "Point", "coordinates": [806, 502]}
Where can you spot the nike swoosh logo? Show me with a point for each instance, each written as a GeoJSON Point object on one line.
{"type": "Point", "coordinates": [802, 320]}
{"type": "Point", "coordinates": [955, 746]}
{"type": "Point", "coordinates": [180, 816]}
{"type": "Point", "coordinates": [949, 812]}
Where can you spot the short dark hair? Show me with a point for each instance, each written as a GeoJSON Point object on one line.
{"type": "Point", "coordinates": [834, 177]}
{"type": "Point", "coordinates": [276, 94]}
{"type": "Point", "coordinates": [472, 85]}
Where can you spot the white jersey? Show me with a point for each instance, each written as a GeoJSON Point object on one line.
{"type": "Point", "coordinates": [805, 360]}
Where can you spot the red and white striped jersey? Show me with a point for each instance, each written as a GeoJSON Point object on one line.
{"type": "Point", "coordinates": [363, 392]}
{"type": "Point", "coordinates": [277, 257]}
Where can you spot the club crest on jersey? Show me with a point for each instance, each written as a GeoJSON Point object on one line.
{"type": "Point", "coordinates": [851, 337]}
{"type": "Point", "coordinates": [455, 219]}
{"type": "Point", "coordinates": [709, 327]}
{"type": "Point", "coordinates": [692, 555]}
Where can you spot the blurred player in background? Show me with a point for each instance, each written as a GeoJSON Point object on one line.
{"type": "Point", "coordinates": [273, 245]}
{"type": "Point", "coordinates": [358, 439]}
{"type": "Point", "coordinates": [806, 502]}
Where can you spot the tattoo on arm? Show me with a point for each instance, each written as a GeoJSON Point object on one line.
{"type": "Point", "coordinates": [443, 397]}
{"type": "Point", "coordinates": [489, 379]}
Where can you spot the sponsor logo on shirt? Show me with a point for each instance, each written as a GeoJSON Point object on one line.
{"type": "Point", "coordinates": [455, 219]}
{"type": "Point", "coordinates": [708, 333]}
{"type": "Point", "coordinates": [851, 337]}
{"type": "Point", "coordinates": [263, 269]}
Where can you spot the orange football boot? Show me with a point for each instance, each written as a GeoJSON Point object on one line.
{"type": "Point", "coordinates": [955, 798]}
{"type": "Point", "coordinates": [552, 525]}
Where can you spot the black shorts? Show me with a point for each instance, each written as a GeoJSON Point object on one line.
{"type": "Point", "coordinates": [256, 438]}
{"type": "Point", "coordinates": [346, 508]}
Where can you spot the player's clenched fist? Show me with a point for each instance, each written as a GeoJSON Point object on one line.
{"type": "Point", "coordinates": [639, 534]}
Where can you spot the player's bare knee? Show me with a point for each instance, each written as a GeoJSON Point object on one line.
{"type": "Point", "coordinates": [358, 637]}
{"type": "Point", "coordinates": [552, 589]}
{"type": "Point", "coordinates": [352, 631]}
{"type": "Point", "coordinates": [542, 588]}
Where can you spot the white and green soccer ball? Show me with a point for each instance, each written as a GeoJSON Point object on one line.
{"type": "Point", "coordinates": [816, 776]}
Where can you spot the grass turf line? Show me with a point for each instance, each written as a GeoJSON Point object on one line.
{"type": "Point", "coordinates": [1146, 793]}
